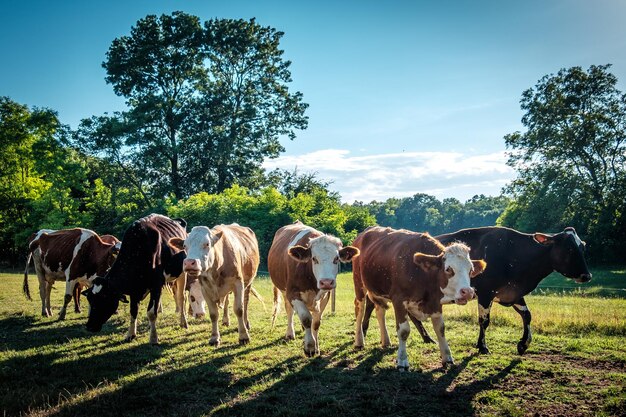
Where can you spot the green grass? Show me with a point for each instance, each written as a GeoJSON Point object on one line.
{"type": "Point", "coordinates": [576, 364]}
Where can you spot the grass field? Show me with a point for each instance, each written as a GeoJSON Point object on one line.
{"type": "Point", "coordinates": [575, 366]}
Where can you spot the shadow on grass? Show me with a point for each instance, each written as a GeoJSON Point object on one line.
{"type": "Point", "coordinates": [330, 391]}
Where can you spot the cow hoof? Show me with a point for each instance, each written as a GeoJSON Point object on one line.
{"type": "Point", "coordinates": [225, 323]}
{"type": "Point", "coordinates": [61, 317]}
{"type": "Point", "coordinates": [289, 337]}
{"type": "Point", "coordinates": [358, 347]}
{"type": "Point", "coordinates": [483, 350]}
{"type": "Point", "coordinates": [447, 364]}
{"type": "Point", "coordinates": [129, 339]}
{"type": "Point", "coordinates": [428, 339]}
{"type": "Point", "coordinates": [214, 341]}
{"type": "Point", "coordinates": [521, 348]}
{"type": "Point", "coordinates": [244, 341]}
{"type": "Point", "coordinates": [403, 368]}
{"type": "Point", "coordinates": [154, 343]}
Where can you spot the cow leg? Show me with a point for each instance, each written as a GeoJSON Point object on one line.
{"type": "Point", "coordinates": [403, 330]}
{"type": "Point", "coordinates": [213, 306]}
{"type": "Point", "coordinates": [153, 308]}
{"type": "Point", "coordinates": [306, 319]}
{"type": "Point", "coordinates": [181, 283]}
{"type": "Point", "coordinates": [359, 327]}
{"type": "Point", "coordinates": [244, 336]}
{"type": "Point", "coordinates": [440, 331]}
{"type": "Point", "coordinates": [422, 331]}
{"type": "Point", "coordinates": [483, 321]}
{"type": "Point", "coordinates": [48, 305]}
{"type": "Point", "coordinates": [225, 313]}
{"type": "Point", "coordinates": [69, 289]}
{"type": "Point", "coordinates": [384, 335]}
{"type": "Point", "coordinates": [246, 300]}
{"type": "Point", "coordinates": [527, 337]}
{"type": "Point", "coordinates": [317, 320]}
{"type": "Point", "coordinates": [134, 311]}
{"type": "Point", "coordinates": [76, 296]}
{"type": "Point", "coordinates": [291, 333]}
{"type": "Point", "coordinates": [43, 291]}
{"type": "Point", "coordinates": [369, 307]}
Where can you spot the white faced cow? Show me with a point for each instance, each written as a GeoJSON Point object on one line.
{"type": "Point", "coordinates": [417, 274]}
{"type": "Point", "coordinates": [225, 259]}
{"type": "Point", "coordinates": [303, 264]}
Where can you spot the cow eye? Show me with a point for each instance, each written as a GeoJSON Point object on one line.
{"type": "Point", "coordinates": [315, 261]}
{"type": "Point", "coordinates": [336, 260]}
{"type": "Point", "coordinates": [449, 270]}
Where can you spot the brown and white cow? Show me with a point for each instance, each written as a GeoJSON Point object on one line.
{"type": "Point", "coordinates": [74, 256]}
{"type": "Point", "coordinates": [417, 274]}
{"type": "Point", "coordinates": [225, 259]}
{"type": "Point", "coordinates": [303, 264]}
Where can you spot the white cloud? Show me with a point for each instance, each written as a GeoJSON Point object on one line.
{"type": "Point", "coordinates": [381, 176]}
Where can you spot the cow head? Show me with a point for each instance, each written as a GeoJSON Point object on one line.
{"type": "Point", "coordinates": [454, 270]}
{"type": "Point", "coordinates": [198, 247]}
{"type": "Point", "coordinates": [103, 302]}
{"type": "Point", "coordinates": [324, 253]}
{"type": "Point", "coordinates": [196, 299]}
{"type": "Point", "coordinates": [567, 254]}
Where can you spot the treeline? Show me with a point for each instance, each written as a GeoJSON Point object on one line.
{"type": "Point", "coordinates": [207, 102]}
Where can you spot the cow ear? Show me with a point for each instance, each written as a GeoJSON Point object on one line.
{"type": "Point", "coordinates": [479, 267]}
{"type": "Point", "coordinates": [300, 253]}
{"type": "Point", "coordinates": [123, 299]}
{"type": "Point", "coordinates": [428, 262]}
{"type": "Point", "coordinates": [543, 239]}
{"type": "Point", "coordinates": [177, 243]}
{"type": "Point", "coordinates": [346, 254]}
{"type": "Point", "coordinates": [216, 236]}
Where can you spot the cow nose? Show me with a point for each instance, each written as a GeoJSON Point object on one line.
{"type": "Point", "coordinates": [199, 315]}
{"type": "Point", "coordinates": [326, 284]}
{"type": "Point", "coordinates": [584, 278]}
{"type": "Point", "coordinates": [191, 265]}
{"type": "Point", "coordinates": [467, 293]}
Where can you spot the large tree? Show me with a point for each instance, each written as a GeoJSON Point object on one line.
{"type": "Point", "coordinates": [206, 103]}
{"type": "Point", "coordinates": [571, 160]}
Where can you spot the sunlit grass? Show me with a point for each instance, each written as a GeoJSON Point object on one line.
{"type": "Point", "coordinates": [577, 357]}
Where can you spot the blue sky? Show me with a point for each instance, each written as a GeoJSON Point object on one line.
{"type": "Point", "coordinates": [405, 96]}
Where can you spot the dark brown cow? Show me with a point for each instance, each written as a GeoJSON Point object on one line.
{"type": "Point", "coordinates": [417, 274]}
{"type": "Point", "coordinates": [72, 255]}
{"type": "Point", "coordinates": [303, 264]}
{"type": "Point", "coordinates": [145, 263]}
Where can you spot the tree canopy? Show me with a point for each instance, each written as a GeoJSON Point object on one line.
{"type": "Point", "coordinates": [571, 160]}
{"type": "Point", "coordinates": [206, 104]}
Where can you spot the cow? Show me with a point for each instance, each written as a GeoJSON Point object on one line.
{"type": "Point", "coordinates": [75, 256]}
{"type": "Point", "coordinates": [517, 264]}
{"type": "Point", "coordinates": [225, 259]}
{"type": "Point", "coordinates": [144, 264]}
{"type": "Point", "coordinates": [417, 274]}
{"type": "Point", "coordinates": [303, 264]}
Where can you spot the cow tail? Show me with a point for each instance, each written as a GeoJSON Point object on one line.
{"type": "Point", "coordinates": [25, 284]}
{"type": "Point", "coordinates": [257, 296]}
{"type": "Point", "coordinates": [277, 299]}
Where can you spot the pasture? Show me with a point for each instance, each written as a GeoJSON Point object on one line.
{"type": "Point", "coordinates": [575, 366]}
